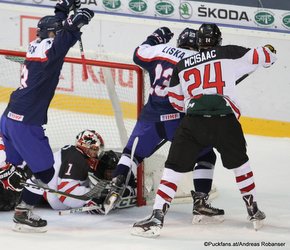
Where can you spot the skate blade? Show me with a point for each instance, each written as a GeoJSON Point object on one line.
{"type": "Point", "coordinates": [110, 204]}
{"type": "Point", "coordinates": [22, 228]}
{"type": "Point", "coordinates": [258, 224]}
{"type": "Point", "coordinates": [203, 219]}
{"type": "Point", "coordinates": [152, 232]}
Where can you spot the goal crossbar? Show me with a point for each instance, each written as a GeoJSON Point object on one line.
{"type": "Point", "coordinates": [20, 55]}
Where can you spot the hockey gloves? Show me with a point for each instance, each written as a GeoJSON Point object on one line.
{"type": "Point", "coordinates": [10, 177]}
{"type": "Point", "coordinates": [161, 35]}
{"type": "Point", "coordinates": [65, 6]}
{"type": "Point", "coordinates": [81, 18]}
{"type": "Point", "coordinates": [270, 47]}
{"type": "Point", "coordinates": [271, 58]}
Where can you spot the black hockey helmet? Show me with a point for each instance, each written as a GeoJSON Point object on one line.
{"type": "Point", "coordinates": [107, 164]}
{"type": "Point", "coordinates": [187, 39]}
{"type": "Point", "coordinates": [209, 35]}
{"type": "Point", "coordinates": [48, 24]}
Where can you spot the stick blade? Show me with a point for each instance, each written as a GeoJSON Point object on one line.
{"type": "Point", "coordinates": [110, 203]}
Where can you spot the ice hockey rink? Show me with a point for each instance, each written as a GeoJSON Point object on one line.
{"type": "Point", "coordinates": [270, 159]}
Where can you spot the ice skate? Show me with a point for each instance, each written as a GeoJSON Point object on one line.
{"type": "Point", "coordinates": [203, 212]}
{"type": "Point", "coordinates": [27, 222]}
{"type": "Point", "coordinates": [255, 215]}
{"type": "Point", "coordinates": [149, 227]}
{"type": "Point", "coordinates": [115, 193]}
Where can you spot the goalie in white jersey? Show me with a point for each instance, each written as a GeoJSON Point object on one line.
{"type": "Point", "coordinates": [78, 168]}
{"type": "Point", "coordinates": [203, 86]}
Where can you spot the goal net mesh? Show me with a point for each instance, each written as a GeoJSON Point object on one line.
{"type": "Point", "coordinates": [108, 101]}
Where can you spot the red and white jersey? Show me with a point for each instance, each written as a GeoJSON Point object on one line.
{"type": "Point", "coordinates": [71, 176]}
{"type": "Point", "coordinates": [2, 153]}
{"type": "Point", "coordinates": [215, 72]}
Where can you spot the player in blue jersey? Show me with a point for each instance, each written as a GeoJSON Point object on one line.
{"type": "Point", "coordinates": [21, 122]}
{"type": "Point", "coordinates": [204, 85]}
{"type": "Point", "coordinates": [158, 119]}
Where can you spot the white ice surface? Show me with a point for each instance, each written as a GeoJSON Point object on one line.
{"type": "Point", "coordinates": [270, 161]}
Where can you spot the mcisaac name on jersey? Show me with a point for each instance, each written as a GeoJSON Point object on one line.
{"type": "Point", "coordinates": [200, 57]}
{"type": "Point", "coordinates": [174, 52]}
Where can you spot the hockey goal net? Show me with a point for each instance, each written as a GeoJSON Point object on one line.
{"type": "Point", "coordinates": [109, 102]}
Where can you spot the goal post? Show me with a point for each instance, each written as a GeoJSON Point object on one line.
{"type": "Point", "coordinates": [109, 101]}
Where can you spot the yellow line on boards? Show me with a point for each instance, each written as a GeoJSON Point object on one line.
{"type": "Point", "coordinates": [81, 104]}
{"type": "Point", "coordinates": [92, 105]}
{"type": "Point", "coordinates": [256, 126]}
{"type": "Point", "coordinates": [253, 126]}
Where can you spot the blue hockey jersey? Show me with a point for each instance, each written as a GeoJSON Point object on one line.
{"type": "Point", "coordinates": [159, 60]}
{"type": "Point", "coordinates": [40, 76]}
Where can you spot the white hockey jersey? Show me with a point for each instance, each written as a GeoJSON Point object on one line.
{"type": "Point", "coordinates": [2, 153]}
{"type": "Point", "coordinates": [215, 72]}
{"type": "Point", "coordinates": [71, 176]}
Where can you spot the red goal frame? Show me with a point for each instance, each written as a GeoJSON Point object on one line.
{"type": "Point", "coordinates": [140, 99]}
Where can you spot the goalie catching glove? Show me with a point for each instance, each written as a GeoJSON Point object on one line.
{"type": "Point", "coordinates": [79, 19]}
{"type": "Point", "coordinates": [11, 176]}
{"type": "Point", "coordinates": [161, 35]}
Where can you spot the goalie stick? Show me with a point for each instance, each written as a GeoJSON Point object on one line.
{"type": "Point", "coordinates": [125, 202]}
{"type": "Point", "coordinates": [111, 202]}
{"type": "Point", "coordinates": [93, 193]}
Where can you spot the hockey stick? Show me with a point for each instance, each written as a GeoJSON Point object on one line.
{"type": "Point", "coordinates": [125, 202]}
{"type": "Point", "coordinates": [78, 210]}
{"type": "Point", "coordinates": [159, 146]}
{"type": "Point", "coordinates": [94, 192]}
{"type": "Point", "coordinates": [134, 146]}
{"type": "Point", "coordinates": [85, 71]}
{"type": "Point", "coordinates": [111, 202]}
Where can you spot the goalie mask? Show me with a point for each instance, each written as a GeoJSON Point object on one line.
{"type": "Point", "coordinates": [48, 24]}
{"type": "Point", "coordinates": [91, 144]}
